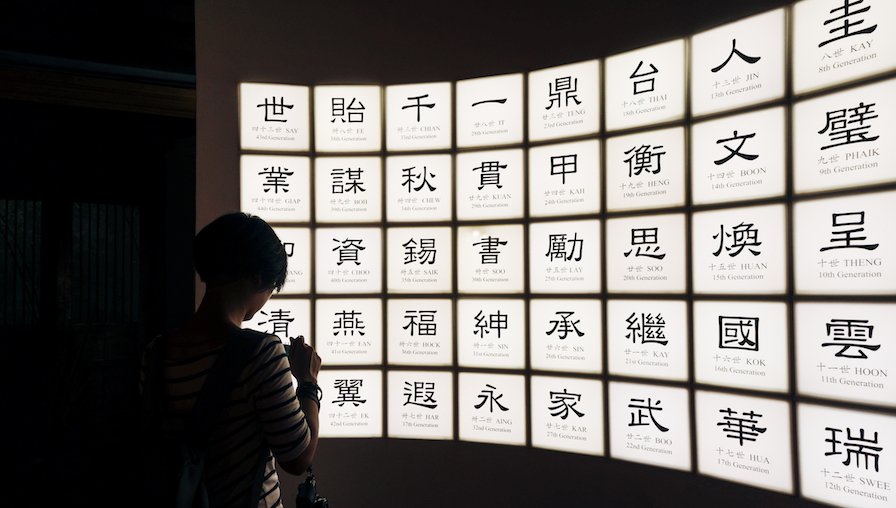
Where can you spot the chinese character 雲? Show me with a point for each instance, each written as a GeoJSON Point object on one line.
{"type": "Point", "coordinates": [848, 334]}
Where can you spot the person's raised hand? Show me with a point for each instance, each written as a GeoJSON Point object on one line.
{"type": "Point", "coordinates": [303, 360]}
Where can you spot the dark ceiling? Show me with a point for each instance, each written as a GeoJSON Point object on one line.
{"type": "Point", "coordinates": [159, 34]}
{"type": "Point", "coordinates": [151, 34]}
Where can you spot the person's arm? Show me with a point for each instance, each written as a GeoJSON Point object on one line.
{"type": "Point", "coordinates": [304, 363]}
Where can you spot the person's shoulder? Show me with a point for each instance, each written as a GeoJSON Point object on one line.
{"type": "Point", "coordinates": [260, 340]}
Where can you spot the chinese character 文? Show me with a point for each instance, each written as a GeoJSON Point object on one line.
{"type": "Point", "coordinates": [845, 128]}
{"type": "Point", "coordinates": [645, 239]}
{"type": "Point", "coordinates": [739, 333]}
{"type": "Point", "coordinates": [846, 236]}
{"type": "Point", "coordinates": [742, 428]}
{"type": "Point", "coordinates": [563, 402]}
{"type": "Point", "coordinates": [644, 85]}
{"type": "Point", "coordinates": [735, 151]}
{"type": "Point", "coordinates": [488, 395]}
{"type": "Point", "coordinates": [734, 51]}
{"type": "Point", "coordinates": [742, 236]}
{"type": "Point", "coordinates": [846, 27]}
{"type": "Point", "coordinates": [420, 394]}
{"type": "Point", "coordinates": [273, 110]}
{"type": "Point", "coordinates": [648, 328]}
{"type": "Point", "coordinates": [857, 447]}
{"type": "Point", "coordinates": [645, 410]}
{"type": "Point", "coordinates": [642, 159]}
{"type": "Point", "coordinates": [564, 86]}
{"type": "Point", "coordinates": [348, 391]}
{"type": "Point", "coordinates": [850, 333]}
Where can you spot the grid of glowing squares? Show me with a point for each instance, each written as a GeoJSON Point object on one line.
{"type": "Point", "coordinates": [566, 413]}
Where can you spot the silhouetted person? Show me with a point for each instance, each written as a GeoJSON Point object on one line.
{"type": "Point", "coordinates": [262, 417]}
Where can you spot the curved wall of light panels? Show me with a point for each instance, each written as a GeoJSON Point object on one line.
{"type": "Point", "coordinates": [679, 255]}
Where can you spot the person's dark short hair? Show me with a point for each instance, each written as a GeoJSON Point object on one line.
{"type": "Point", "coordinates": [239, 245]}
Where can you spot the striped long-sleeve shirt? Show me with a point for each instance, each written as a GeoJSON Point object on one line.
{"type": "Point", "coordinates": [263, 413]}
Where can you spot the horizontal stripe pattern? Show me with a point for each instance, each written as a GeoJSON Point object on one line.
{"type": "Point", "coordinates": [263, 416]}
